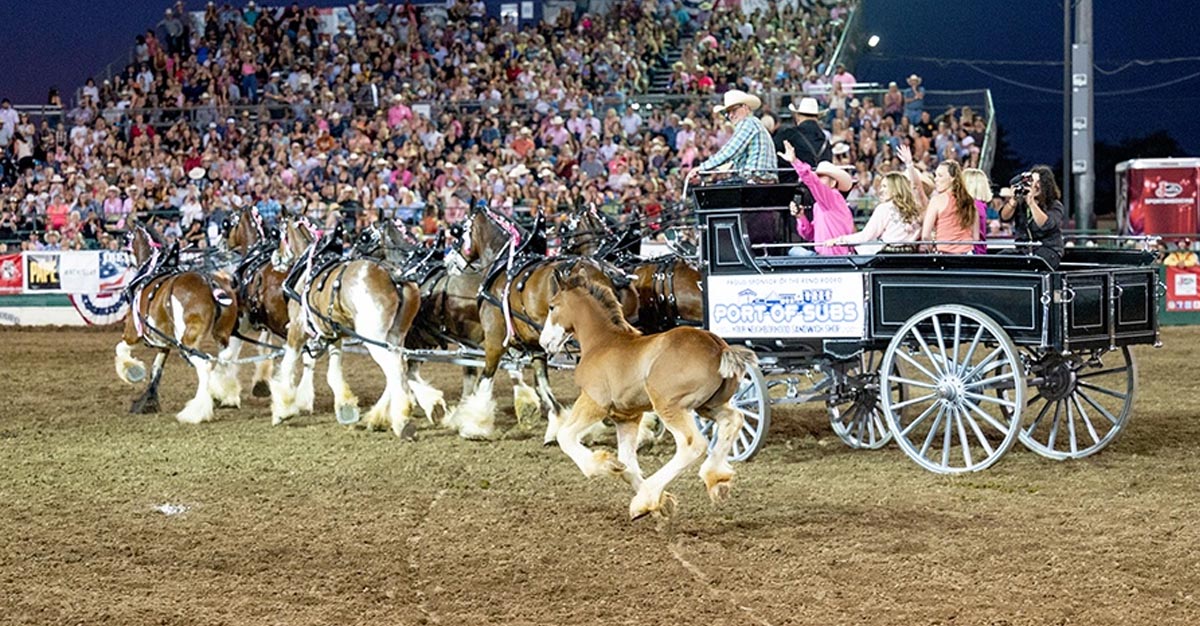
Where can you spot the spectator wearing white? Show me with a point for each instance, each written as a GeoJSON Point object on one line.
{"type": "Point", "coordinates": [895, 220]}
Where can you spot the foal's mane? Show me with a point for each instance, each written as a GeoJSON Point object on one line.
{"type": "Point", "coordinates": [605, 297]}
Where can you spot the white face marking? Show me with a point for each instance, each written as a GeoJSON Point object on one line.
{"type": "Point", "coordinates": [553, 336]}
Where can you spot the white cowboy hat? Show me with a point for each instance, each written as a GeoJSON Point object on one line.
{"type": "Point", "coordinates": [734, 97]}
{"type": "Point", "coordinates": [196, 173]}
{"type": "Point", "coordinates": [844, 182]}
{"type": "Point", "coordinates": [841, 148]}
{"type": "Point", "coordinates": [687, 121]}
{"type": "Point", "coordinates": [557, 120]}
{"type": "Point", "coordinates": [914, 77]}
{"type": "Point", "coordinates": [807, 106]}
{"type": "Point", "coordinates": [518, 171]}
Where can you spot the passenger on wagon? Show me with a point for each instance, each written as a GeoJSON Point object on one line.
{"type": "Point", "coordinates": [1037, 215]}
{"type": "Point", "coordinates": [980, 187]}
{"type": "Point", "coordinates": [831, 217]}
{"type": "Point", "coordinates": [951, 215]}
{"type": "Point", "coordinates": [896, 220]}
{"type": "Point", "coordinates": [750, 151]}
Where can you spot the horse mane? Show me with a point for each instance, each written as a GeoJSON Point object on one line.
{"type": "Point", "coordinates": [607, 299]}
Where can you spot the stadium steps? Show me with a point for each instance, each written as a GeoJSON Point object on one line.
{"type": "Point", "coordinates": [660, 75]}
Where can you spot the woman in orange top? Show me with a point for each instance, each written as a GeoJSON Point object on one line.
{"type": "Point", "coordinates": [951, 215]}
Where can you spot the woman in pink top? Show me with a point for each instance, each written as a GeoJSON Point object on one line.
{"type": "Point", "coordinates": [951, 215]}
{"type": "Point", "coordinates": [831, 215]}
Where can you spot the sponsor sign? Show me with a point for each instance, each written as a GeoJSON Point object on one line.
{"type": "Point", "coordinates": [1183, 293]}
{"type": "Point", "coordinates": [78, 272]}
{"type": "Point", "coordinates": [42, 272]}
{"type": "Point", "coordinates": [12, 273]}
{"type": "Point", "coordinates": [812, 305]}
{"type": "Point", "coordinates": [1163, 200]}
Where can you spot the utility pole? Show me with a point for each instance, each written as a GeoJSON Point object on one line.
{"type": "Point", "coordinates": [1066, 128]}
{"type": "Point", "coordinates": [1083, 134]}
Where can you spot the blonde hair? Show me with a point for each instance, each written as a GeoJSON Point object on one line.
{"type": "Point", "coordinates": [977, 184]}
{"type": "Point", "coordinates": [901, 194]}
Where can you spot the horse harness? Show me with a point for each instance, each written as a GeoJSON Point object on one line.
{"type": "Point", "coordinates": [153, 275]}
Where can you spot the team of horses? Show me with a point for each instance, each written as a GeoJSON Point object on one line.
{"type": "Point", "coordinates": [304, 294]}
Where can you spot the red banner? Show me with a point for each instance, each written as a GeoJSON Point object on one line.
{"type": "Point", "coordinates": [11, 277]}
{"type": "Point", "coordinates": [1183, 285]}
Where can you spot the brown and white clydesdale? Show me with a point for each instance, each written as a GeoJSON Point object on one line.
{"type": "Point", "coordinates": [183, 311]}
{"type": "Point", "coordinates": [345, 299]}
{"type": "Point", "coordinates": [511, 312]}
{"type": "Point", "coordinates": [263, 306]}
{"type": "Point", "coordinates": [622, 373]}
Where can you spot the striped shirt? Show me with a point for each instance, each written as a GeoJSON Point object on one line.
{"type": "Point", "coordinates": [750, 151]}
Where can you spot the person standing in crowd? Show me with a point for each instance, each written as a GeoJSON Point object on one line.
{"type": "Point", "coordinates": [951, 216]}
{"type": "Point", "coordinates": [808, 139]}
{"type": "Point", "coordinates": [914, 99]}
{"type": "Point", "coordinates": [1037, 216]}
{"type": "Point", "coordinates": [749, 150]}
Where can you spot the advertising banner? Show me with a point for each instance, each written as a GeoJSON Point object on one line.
{"type": "Point", "coordinates": [12, 274]}
{"type": "Point", "coordinates": [814, 305]}
{"type": "Point", "coordinates": [1163, 201]}
{"type": "Point", "coordinates": [42, 272]}
{"type": "Point", "coordinates": [1183, 276]}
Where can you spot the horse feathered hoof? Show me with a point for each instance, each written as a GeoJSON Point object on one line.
{"type": "Point", "coordinates": [408, 432]}
{"type": "Point", "coordinates": [144, 406]}
{"type": "Point", "coordinates": [261, 389]}
{"type": "Point", "coordinates": [347, 415]}
{"type": "Point", "coordinates": [719, 492]}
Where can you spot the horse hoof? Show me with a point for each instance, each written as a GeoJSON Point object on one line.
{"type": "Point", "coordinates": [144, 407]}
{"type": "Point", "coordinates": [633, 517]}
{"type": "Point", "coordinates": [719, 492]}
{"type": "Point", "coordinates": [135, 373]}
{"type": "Point", "coordinates": [261, 389]}
{"type": "Point", "coordinates": [667, 505]}
{"type": "Point", "coordinates": [347, 415]}
{"type": "Point", "coordinates": [408, 432]}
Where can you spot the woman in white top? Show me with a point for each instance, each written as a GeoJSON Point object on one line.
{"type": "Point", "coordinates": [896, 219]}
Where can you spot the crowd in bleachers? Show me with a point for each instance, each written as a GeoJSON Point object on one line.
{"type": "Point", "coordinates": [415, 113]}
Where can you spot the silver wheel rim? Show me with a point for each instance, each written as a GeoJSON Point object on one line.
{"type": "Point", "coordinates": [752, 401]}
{"type": "Point", "coordinates": [1083, 404]}
{"type": "Point", "coordinates": [858, 419]}
{"type": "Point", "coordinates": [952, 386]}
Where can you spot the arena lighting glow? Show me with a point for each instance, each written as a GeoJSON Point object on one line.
{"type": "Point", "coordinates": [873, 41]}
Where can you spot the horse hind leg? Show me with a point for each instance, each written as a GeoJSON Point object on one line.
{"type": "Point", "coordinates": [689, 447]}
{"type": "Point", "coordinates": [716, 471]}
{"type": "Point", "coordinates": [283, 391]}
{"type": "Point", "coordinates": [627, 449]}
{"type": "Point", "coordinates": [393, 408]}
{"type": "Point", "coordinates": [304, 393]}
{"type": "Point", "coordinates": [261, 387]}
{"type": "Point", "coordinates": [526, 403]}
{"type": "Point", "coordinates": [147, 403]}
{"type": "Point", "coordinates": [554, 408]}
{"type": "Point", "coordinates": [199, 408]}
{"type": "Point", "coordinates": [130, 369]}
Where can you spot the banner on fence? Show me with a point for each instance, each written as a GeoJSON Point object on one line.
{"type": "Point", "coordinates": [780, 306]}
{"type": "Point", "coordinates": [1183, 293]}
{"type": "Point", "coordinates": [12, 272]}
{"type": "Point", "coordinates": [75, 272]}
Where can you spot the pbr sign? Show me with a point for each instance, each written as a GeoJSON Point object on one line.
{"type": "Point", "coordinates": [814, 305]}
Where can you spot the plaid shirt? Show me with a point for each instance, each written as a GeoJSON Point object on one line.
{"type": "Point", "coordinates": [749, 152]}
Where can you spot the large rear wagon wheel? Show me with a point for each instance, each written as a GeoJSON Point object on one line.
{"type": "Point", "coordinates": [952, 386]}
{"type": "Point", "coordinates": [754, 403]}
{"type": "Point", "coordinates": [1082, 404]}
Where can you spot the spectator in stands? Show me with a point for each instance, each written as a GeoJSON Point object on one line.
{"type": "Point", "coordinates": [808, 139]}
{"type": "Point", "coordinates": [893, 102]}
{"type": "Point", "coordinates": [749, 150]}
{"type": "Point", "coordinates": [951, 216]}
{"type": "Point", "coordinates": [914, 99]}
{"type": "Point", "coordinates": [845, 79]}
{"type": "Point", "coordinates": [1037, 216]}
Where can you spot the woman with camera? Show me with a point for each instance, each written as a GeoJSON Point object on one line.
{"type": "Point", "coordinates": [1037, 214]}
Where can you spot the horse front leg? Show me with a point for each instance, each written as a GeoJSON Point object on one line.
{"type": "Point", "coordinates": [345, 403]}
{"type": "Point", "coordinates": [475, 416]}
{"type": "Point", "coordinates": [283, 389]}
{"type": "Point", "coordinates": [428, 397]}
{"type": "Point", "coordinates": [148, 402]}
{"type": "Point", "coordinates": [584, 415]}
{"type": "Point", "coordinates": [223, 384]}
{"type": "Point", "coordinates": [554, 408]}
{"type": "Point", "coordinates": [526, 402]}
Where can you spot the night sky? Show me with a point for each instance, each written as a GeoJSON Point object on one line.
{"type": "Point", "coordinates": [45, 43]}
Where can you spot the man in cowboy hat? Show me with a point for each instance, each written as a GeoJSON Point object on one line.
{"type": "Point", "coordinates": [749, 150]}
{"type": "Point", "coordinates": [806, 136]}
{"type": "Point", "coordinates": [914, 99]}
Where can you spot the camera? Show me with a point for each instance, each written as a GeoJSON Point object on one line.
{"type": "Point", "coordinates": [1021, 183]}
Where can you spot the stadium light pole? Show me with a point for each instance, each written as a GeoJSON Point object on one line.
{"type": "Point", "coordinates": [1066, 118]}
{"type": "Point", "coordinates": [1083, 134]}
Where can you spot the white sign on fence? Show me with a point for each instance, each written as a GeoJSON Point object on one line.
{"type": "Point", "coordinates": [770, 306]}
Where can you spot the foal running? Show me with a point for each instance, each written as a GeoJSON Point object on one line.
{"type": "Point", "coordinates": [622, 373]}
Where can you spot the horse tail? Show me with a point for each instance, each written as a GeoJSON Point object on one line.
{"type": "Point", "coordinates": [735, 360]}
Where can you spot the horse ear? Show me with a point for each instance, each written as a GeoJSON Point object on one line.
{"type": "Point", "coordinates": [556, 280]}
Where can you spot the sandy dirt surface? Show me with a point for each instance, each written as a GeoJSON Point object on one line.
{"type": "Point", "coordinates": [314, 523]}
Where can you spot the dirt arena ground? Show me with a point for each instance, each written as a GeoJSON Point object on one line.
{"type": "Point", "coordinates": [312, 523]}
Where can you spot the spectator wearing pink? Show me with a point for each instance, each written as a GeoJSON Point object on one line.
{"type": "Point", "coordinates": [980, 188]}
{"type": "Point", "coordinates": [114, 207]}
{"type": "Point", "coordinates": [846, 79]}
{"type": "Point", "coordinates": [399, 113]}
{"type": "Point", "coordinates": [831, 215]}
{"type": "Point", "coordinates": [556, 135]}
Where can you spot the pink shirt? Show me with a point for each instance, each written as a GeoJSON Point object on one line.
{"type": "Point", "coordinates": [831, 214]}
{"type": "Point", "coordinates": [399, 114]}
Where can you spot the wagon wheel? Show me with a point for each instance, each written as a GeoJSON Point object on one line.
{"type": "Point", "coordinates": [952, 389]}
{"type": "Point", "coordinates": [855, 413]}
{"type": "Point", "coordinates": [754, 403]}
{"type": "Point", "coordinates": [1081, 404]}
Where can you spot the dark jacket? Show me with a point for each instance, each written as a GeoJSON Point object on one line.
{"type": "Point", "coordinates": [810, 143]}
